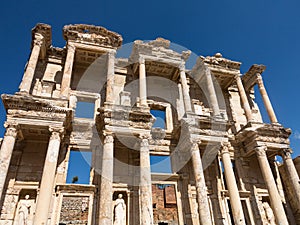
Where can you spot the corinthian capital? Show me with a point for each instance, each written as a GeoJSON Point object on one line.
{"type": "Point", "coordinates": [144, 139]}
{"type": "Point", "coordinates": [109, 138]}
{"type": "Point", "coordinates": [38, 39]}
{"type": "Point", "coordinates": [71, 48]}
{"type": "Point", "coordinates": [56, 132]}
{"type": "Point", "coordinates": [225, 147]}
{"type": "Point", "coordinates": [261, 151]}
{"type": "Point", "coordinates": [11, 129]}
{"type": "Point", "coordinates": [287, 153]}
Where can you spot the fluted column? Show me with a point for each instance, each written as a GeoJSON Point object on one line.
{"type": "Point", "coordinates": [145, 182]}
{"type": "Point", "coordinates": [204, 211]}
{"type": "Point", "coordinates": [142, 82]}
{"type": "Point", "coordinates": [212, 93]}
{"type": "Point", "coordinates": [244, 98]}
{"type": "Point", "coordinates": [292, 172]}
{"type": "Point", "coordinates": [48, 177]}
{"type": "Point", "coordinates": [235, 201]}
{"type": "Point", "coordinates": [266, 99]}
{"type": "Point", "coordinates": [31, 66]}
{"type": "Point", "coordinates": [67, 74]}
{"type": "Point", "coordinates": [185, 89]}
{"type": "Point", "coordinates": [110, 77]}
{"type": "Point", "coordinates": [274, 196]}
{"type": "Point", "coordinates": [7, 147]}
{"type": "Point", "coordinates": [106, 185]}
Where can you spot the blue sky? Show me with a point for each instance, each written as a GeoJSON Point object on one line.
{"type": "Point", "coordinates": [258, 31]}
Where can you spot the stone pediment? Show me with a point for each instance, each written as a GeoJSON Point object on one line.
{"type": "Point", "coordinates": [90, 34]}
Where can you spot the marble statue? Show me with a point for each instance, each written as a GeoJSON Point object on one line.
{"type": "Point", "coordinates": [24, 211]}
{"type": "Point", "coordinates": [120, 211]}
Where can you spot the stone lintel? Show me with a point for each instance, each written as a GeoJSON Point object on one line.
{"type": "Point", "coordinates": [250, 78]}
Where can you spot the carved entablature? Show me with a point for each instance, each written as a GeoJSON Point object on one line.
{"type": "Point", "coordinates": [90, 34]}
{"type": "Point", "coordinates": [275, 137]}
{"type": "Point", "coordinates": [218, 61]}
{"type": "Point", "coordinates": [157, 50]}
{"type": "Point", "coordinates": [250, 78]}
{"type": "Point", "coordinates": [45, 31]}
{"type": "Point", "coordinates": [57, 53]}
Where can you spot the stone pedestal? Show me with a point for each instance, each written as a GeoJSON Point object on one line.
{"type": "Point", "coordinates": [31, 66]}
{"type": "Point", "coordinates": [212, 93]}
{"type": "Point", "coordinates": [204, 211]}
{"type": "Point", "coordinates": [266, 99]}
{"type": "Point", "coordinates": [48, 177]}
{"type": "Point", "coordinates": [110, 77]}
{"type": "Point", "coordinates": [244, 98]}
{"type": "Point", "coordinates": [7, 147]}
{"type": "Point", "coordinates": [293, 175]}
{"type": "Point", "coordinates": [142, 82]}
{"type": "Point", "coordinates": [235, 201]}
{"type": "Point", "coordinates": [106, 186]}
{"type": "Point", "coordinates": [185, 89]}
{"type": "Point", "coordinates": [145, 183]}
{"type": "Point", "coordinates": [274, 196]}
{"type": "Point", "coordinates": [67, 74]}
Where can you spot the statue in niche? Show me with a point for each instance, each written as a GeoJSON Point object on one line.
{"type": "Point", "coordinates": [24, 211]}
{"type": "Point", "coordinates": [269, 213]}
{"type": "Point", "coordinates": [120, 211]}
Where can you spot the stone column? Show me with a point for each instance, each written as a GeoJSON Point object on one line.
{"type": "Point", "coordinates": [143, 83]}
{"type": "Point", "coordinates": [292, 172]}
{"type": "Point", "coordinates": [235, 201]}
{"type": "Point", "coordinates": [212, 92]}
{"type": "Point", "coordinates": [185, 89]}
{"type": "Point", "coordinates": [201, 188]}
{"type": "Point", "coordinates": [48, 177]}
{"type": "Point", "coordinates": [266, 99]}
{"type": "Point", "coordinates": [274, 196]}
{"type": "Point", "coordinates": [244, 98]}
{"type": "Point", "coordinates": [7, 147]}
{"type": "Point", "coordinates": [106, 185]}
{"type": "Point", "coordinates": [67, 74]}
{"type": "Point", "coordinates": [145, 183]}
{"type": "Point", "coordinates": [31, 66]}
{"type": "Point", "coordinates": [110, 77]}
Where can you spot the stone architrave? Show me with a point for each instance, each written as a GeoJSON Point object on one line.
{"type": "Point", "coordinates": [185, 89]}
{"type": "Point", "coordinates": [7, 147]}
{"type": "Point", "coordinates": [204, 211]}
{"type": "Point", "coordinates": [145, 182]}
{"type": "Point", "coordinates": [48, 176]}
{"type": "Point", "coordinates": [274, 196]}
{"type": "Point", "coordinates": [106, 186]}
{"type": "Point", "coordinates": [67, 74]}
{"type": "Point", "coordinates": [31, 66]}
{"type": "Point", "coordinates": [235, 201]}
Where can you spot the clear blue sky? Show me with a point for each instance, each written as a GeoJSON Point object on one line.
{"type": "Point", "coordinates": [258, 31]}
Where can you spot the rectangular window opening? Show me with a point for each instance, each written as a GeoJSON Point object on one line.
{"type": "Point", "coordinates": [160, 164]}
{"type": "Point", "coordinates": [85, 109]}
{"type": "Point", "coordinates": [79, 167]}
{"type": "Point", "coordinates": [160, 116]}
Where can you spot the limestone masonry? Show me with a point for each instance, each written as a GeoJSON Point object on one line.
{"type": "Point", "coordinates": [221, 162]}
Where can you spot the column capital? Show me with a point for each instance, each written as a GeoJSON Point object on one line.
{"type": "Point", "coordinates": [182, 67]}
{"type": "Point", "coordinates": [237, 76]}
{"type": "Point", "coordinates": [259, 78]}
{"type": "Point", "coordinates": [108, 138]}
{"type": "Point", "coordinates": [225, 147]}
{"type": "Point", "coordinates": [261, 151]}
{"type": "Point", "coordinates": [141, 60]}
{"type": "Point", "coordinates": [287, 153]}
{"type": "Point", "coordinates": [38, 39]}
{"type": "Point", "coordinates": [56, 132]}
{"type": "Point", "coordinates": [71, 48]}
{"type": "Point", "coordinates": [11, 129]}
{"type": "Point", "coordinates": [111, 54]}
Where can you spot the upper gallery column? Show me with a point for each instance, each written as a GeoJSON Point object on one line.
{"type": "Point", "coordinates": [143, 82]}
{"type": "Point", "coordinates": [67, 74]}
{"type": "Point", "coordinates": [185, 89]}
{"type": "Point", "coordinates": [274, 196]}
{"type": "Point", "coordinates": [212, 92]}
{"type": "Point", "coordinates": [6, 152]}
{"type": "Point", "coordinates": [145, 182]}
{"type": "Point", "coordinates": [244, 98]}
{"type": "Point", "coordinates": [106, 185]}
{"type": "Point", "coordinates": [31, 66]}
{"type": "Point", "coordinates": [292, 172]}
{"type": "Point", "coordinates": [110, 77]}
{"type": "Point", "coordinates": [235, 201]}
{"type": "Point", "coordinates": [48, 177]}
{"type": "Point", "coordinates": [266, 99]}
{"type": "Point", "coordinates": [201, 189]}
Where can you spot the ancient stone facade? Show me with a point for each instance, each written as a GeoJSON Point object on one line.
{"type": "Point", "coordinates": [222, 155]}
